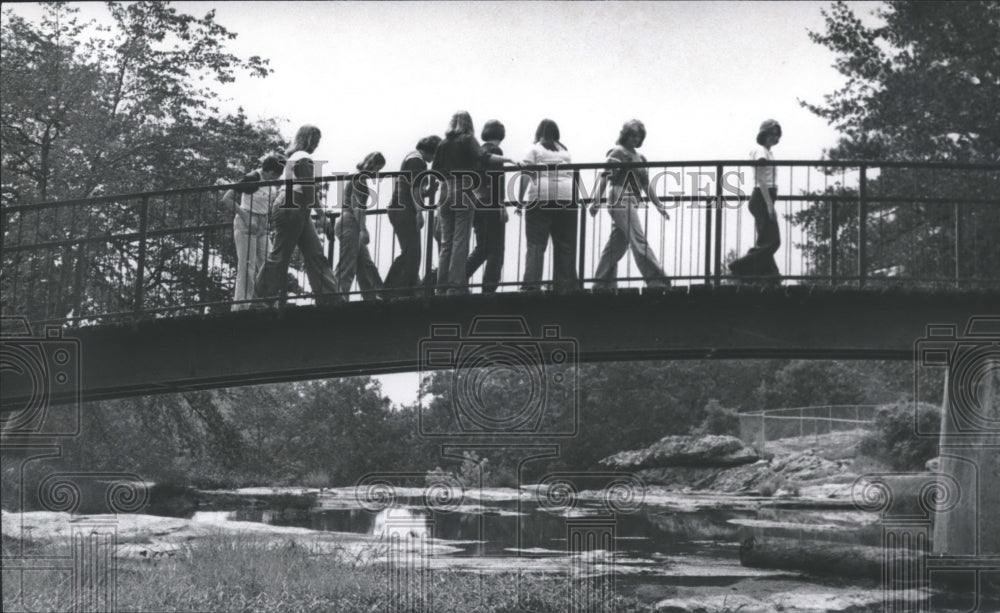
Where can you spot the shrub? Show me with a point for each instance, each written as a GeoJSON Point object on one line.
{"type": "Point", "coordinates": [718, 420]}
{"type": "Point", "coordinates": [894, 439]}
{"type": "Point", "coordinates": [472, 469]}
{"type": "Point", "coordinates": [316, 478]}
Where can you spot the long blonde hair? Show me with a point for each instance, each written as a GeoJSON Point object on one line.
{"type": "Point", "coordinates": [306, 139]}
{"type": "Point", "coordinates": [461, 123]}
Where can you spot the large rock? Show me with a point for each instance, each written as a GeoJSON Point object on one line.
{"type": "Point", "coordinates": [710, 451]}
{"type": "Point", "coordinates": [734, 479]}
{"type": "Point", "coordinates": [806, 466]}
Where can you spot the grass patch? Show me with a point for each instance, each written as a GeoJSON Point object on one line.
{"type": "Point", "coordinates": [247, 573]}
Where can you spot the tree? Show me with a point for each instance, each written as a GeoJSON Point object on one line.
{"type": "Point", "coordinates": [131, 109]}
{"type": "Point", "coordinates": [804, 383]}
{"type": "Point", "coordinates": [128, 111]}
{"type": "Point", "coordinates": [920, 86]}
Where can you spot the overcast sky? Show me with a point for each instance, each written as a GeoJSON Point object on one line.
{"type": "Point", "coordinates": [379, 76]}
{"type": "Point", "coordinates": [701, 75]}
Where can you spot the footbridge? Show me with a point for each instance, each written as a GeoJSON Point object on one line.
{"type": "Point", "coordinates": [134, 294]}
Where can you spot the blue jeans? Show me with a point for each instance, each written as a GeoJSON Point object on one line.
{"type": "Point", "coordinates": [404, 274]}
{"type": "Point", "coordinates": [293, 227]}
{"type": "Point", "coordinates": [456, 232]}
{"type": "Point", "coordinates": [759, 260]}
{"type": "Point", "coordinates": [355, 259]}
{"type": "Point", "coordinates": [489, 226]}
{"type": "Point", "coordinates": [558, 221]}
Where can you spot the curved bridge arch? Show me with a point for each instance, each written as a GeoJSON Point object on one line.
{"type": "Point", "coordinates": [298, 343]}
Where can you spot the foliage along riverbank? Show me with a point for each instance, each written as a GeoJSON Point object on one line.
{"type": "Point", "coordinates": [242, 573]}
{"type": "Point", "coordinates": [331, 433]}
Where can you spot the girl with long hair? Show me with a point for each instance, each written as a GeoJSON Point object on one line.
{"type": "Point", "coordinates": [459, 156]}
{"type": "Point", "coordinates": [548, 211]}
{"type": "Point", "coordinates": [290, 220]}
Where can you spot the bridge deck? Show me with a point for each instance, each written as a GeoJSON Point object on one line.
{"type": "Point", "coordinates": [297, 343]}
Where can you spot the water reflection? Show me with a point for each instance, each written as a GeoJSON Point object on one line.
{"type": "Point", "coordinates": [400, 522]}
{"type": "Point", "coordinates": [651, 540]}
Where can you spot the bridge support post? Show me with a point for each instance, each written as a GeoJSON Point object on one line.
{"type": "Point", "coordinates": [968, 536]}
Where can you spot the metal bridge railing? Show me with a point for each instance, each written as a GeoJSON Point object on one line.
{"type": "Point", "coordinates": [846, 223]}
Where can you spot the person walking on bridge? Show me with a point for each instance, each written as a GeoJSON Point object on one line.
{"type": "Point", "coordinates": [351, 231]}
{"type": "Point", "coordinates": [250, 231]}
{"type": "Point", "coordinates": [627, 186]}
{"type": "Point", "coordinates": [407, 218]}
{"type": "Point", "coordinates": [460, 158]}
{"type": "Point", "coordinates": [759, 261]}
{"type": "Point", "coordinates": [290, 219]}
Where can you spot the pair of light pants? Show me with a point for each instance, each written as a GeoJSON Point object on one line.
{"type": "Point", "coordinates": [252, 243]}
{"type": "Point", "coordinates": [627, 232]}
{"type": "Point", "coordinates": [456, 233]}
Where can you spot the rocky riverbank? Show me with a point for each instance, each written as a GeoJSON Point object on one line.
{"type": "Point", "coordinates": [725, 464]}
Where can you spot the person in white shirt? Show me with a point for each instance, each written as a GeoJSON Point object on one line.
{"type": "Point", "coordinates": [293, 227]}
{"type": "Point", "coordinates": [759, 260]}
{"type": "Point", "coordinates": [548, 212]}
{"type": "Point", "coordinates": [250, 226]}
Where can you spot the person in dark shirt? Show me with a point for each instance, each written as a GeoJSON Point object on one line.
{"type": "Point", "coordinates": [351, 231]}
{"type": "Point", "coordinates": [490, 219]}
{"type": "Point", "coordinates": [460, 159]}
{"type": "Point", "coordinates": [407, 219]}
